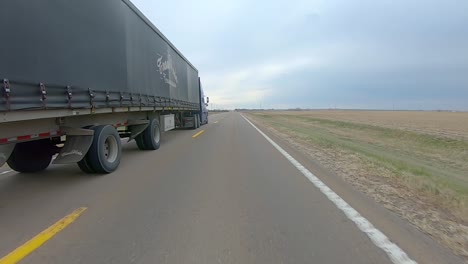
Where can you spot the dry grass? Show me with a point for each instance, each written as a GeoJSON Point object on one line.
{"type": "Point", "coordinates": [414, 163]}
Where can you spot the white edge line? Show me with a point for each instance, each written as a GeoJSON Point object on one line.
{"type": "Point", "coordinates": [5, 172]}
{"type": "Point", "coordinates": [395, 253]}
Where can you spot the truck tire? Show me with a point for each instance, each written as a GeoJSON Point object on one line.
{"type": "Point", "coordinates": [150, 138]}
{"type": "Point", "coordinates": [105, 152]}
{"type": "Point", "coordinates": [197, 120]}
{"type": "Point", "coordinates": [85, 166]}
{"type": "Point", "coordinates": [194, 122]}
{"type": "Point", "coordinates": [29, 157]}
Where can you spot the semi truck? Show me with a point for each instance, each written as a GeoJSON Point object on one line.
{"type": "Point", "coordinates": [77, 77]}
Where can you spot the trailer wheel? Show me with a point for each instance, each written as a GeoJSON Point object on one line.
{"type": "Point", "coordinates": [198, 120]}
{"type": "Point", "coordinates": [194, 122]}
{"type": "Point", "coordinates": [105, 152]}
{"type": "Point", "coordinates": [150, 138]}
{"type": "Point", "coordinates": [29, 157]}
{"type": "Point", "coordinates": [85, 166]}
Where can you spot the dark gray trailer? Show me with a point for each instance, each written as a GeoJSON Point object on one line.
{"type": "Point", "coordinates": [79, 75]}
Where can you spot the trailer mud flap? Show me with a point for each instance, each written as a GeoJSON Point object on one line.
{"type": "Point", "coordinates": [136, 127]}
{"type": "Point", "coordinates": [77, 145]}
{"type": "Point", "coordinates": [5, 152]}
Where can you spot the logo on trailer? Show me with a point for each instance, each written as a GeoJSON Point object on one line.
{"type": "Point", "coordinates": [167, 70]}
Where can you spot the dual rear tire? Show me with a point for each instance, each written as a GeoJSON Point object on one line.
{"type": "Point", "coordinates": [196, 121]}
{"type": "Point", "coordinates": [105, 152]}
{"type": "Point", "coordinates": [150, 138]}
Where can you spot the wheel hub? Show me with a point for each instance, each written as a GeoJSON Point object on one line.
{"type": "Point", "coordinates": [157, 134]}
{"type": "Point", "coordinates": [111, 149]}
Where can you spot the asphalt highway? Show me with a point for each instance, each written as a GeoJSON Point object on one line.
{"type": "Point", "coordinates": [219, 194]}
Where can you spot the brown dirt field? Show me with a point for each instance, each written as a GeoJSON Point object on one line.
{"type": "Point", "coordinates": [445, 124]}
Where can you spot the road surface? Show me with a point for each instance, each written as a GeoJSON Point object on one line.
{"type": "Point", "coordinates": [224, 195]}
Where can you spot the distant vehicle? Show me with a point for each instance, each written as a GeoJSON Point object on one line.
{"type": "Point", "coordinates": [77, 76]}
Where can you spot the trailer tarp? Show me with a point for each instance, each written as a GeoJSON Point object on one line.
{"type": "Point", "coordinates": [88, 53]}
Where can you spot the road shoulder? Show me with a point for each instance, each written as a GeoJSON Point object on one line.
{"type": "Point", "coordinates": [418, 245]}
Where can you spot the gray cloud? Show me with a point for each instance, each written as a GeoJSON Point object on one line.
{"type": "Point", "coordinates": [353, 54]}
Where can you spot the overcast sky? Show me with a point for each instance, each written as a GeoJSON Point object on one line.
{"type": "Point", "coordinates": [407, 54]}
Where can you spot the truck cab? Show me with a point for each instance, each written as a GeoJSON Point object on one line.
{"type": "Point", "coordinates": [203, 105]}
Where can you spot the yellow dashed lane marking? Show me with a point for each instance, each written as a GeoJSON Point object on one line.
{"type": "Point", "coordinates": [27, 248]}
{"type": "Point", "coordinates": [194, 136]}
